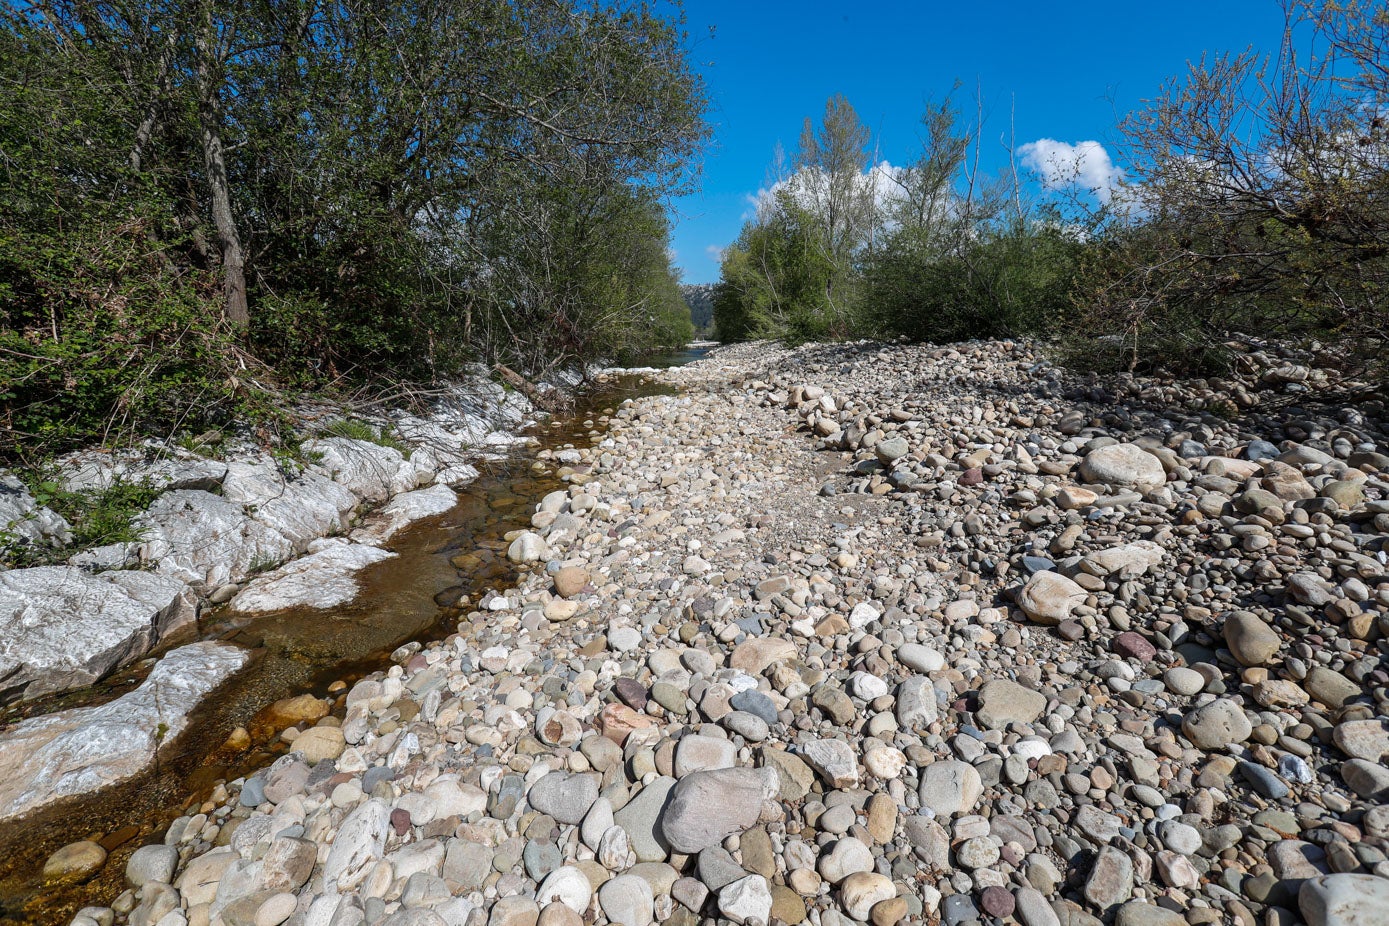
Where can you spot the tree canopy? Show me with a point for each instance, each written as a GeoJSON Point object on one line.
{"type": "Point", "coordinates": [199, 197]}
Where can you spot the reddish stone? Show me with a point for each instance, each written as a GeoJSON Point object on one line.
{"type": "Point", "coordinates": [1132, 646]}
{"type": "Point", "coordinates": [972, 476]}
{"type": "Point", "coordinates": [617, 721]}
{"type": "Point", "coordinates": [1070, 630]}
{"type": "Point", "coordinates": [417, 663]}
{"type": "Point", "coordinates": [400, 821]}
{"type": "Point", "coordinates": [997, 901]}
{"type": "Point", "coordinates": [631, 693]}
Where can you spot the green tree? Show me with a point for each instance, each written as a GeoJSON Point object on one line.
{"type": "Point", "coordinates": [775, 279]}
{"type": "Point", "coordinates": [793, 272]}
{"type": "Point", "coordinates": [203, 201]}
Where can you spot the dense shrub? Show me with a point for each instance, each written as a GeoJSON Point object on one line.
{"type": "Point", "coordinates": [1013, 281]}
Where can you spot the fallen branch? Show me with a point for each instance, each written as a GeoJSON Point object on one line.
{"type": "Point", "coordinates": [552, 400]}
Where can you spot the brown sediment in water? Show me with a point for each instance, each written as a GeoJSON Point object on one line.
{"type": "Point", "coordinates": [411, 597]}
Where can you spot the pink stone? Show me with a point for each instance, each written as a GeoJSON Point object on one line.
{"type": "Point", "coordinates": [997, 901]}
{"type": "Point", "coordinates": [1133, 646]}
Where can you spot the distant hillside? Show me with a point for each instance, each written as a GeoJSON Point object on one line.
{"type": "Point", "coordinates": [700, 298]}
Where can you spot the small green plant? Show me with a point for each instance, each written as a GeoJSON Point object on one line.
{"type": "Point", "coordinates": [100, 517]}
{"type": "Point", "coordinates": [204, 444]}
{"type": "Point", "coordinates": [262, 564]}
{"type": "Point", "coordinates": [356, 429]}
{"type": "Point", "coordinates": [97, 517]}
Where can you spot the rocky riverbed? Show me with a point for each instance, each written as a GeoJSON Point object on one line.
{"type": "Point", "coordinates": [874, 634]}
{"type": "Point", "coordinates": [237, 526]}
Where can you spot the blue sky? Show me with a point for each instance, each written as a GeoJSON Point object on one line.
{"type": "Point", "coordinates": [1062, 71]}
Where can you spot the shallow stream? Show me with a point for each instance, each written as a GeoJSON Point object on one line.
{"type": "Point", "coordinates": [413, 596]}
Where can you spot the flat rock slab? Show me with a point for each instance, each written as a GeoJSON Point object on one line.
{"type": "Point", "coordinates": [404, 510]}
{"type": "Point", "coordinates": [204, 539]}
{"type": "Point", "coordinates": [1003, 701]}
{"type": "Point", "coordinates": [83, 750]}
{"type": "Point", "coordinates": [323, 579]}
{"type": "Point", "coordinates": [61, 627]}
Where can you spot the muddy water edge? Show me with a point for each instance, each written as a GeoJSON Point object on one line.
{"type": "Point", "coordinates": [414, 596]}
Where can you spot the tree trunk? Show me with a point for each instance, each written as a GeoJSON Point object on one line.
{"type": "Point", "coordinates": [215, 164]}
{"type": "Point", "coordinates": [150, 122]}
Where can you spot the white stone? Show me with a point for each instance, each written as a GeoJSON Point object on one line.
{"type": "Point", "coordinates": [359, 842]}
{"type": "Point", "coordinates": [84, 749]}
{"type": "Point", "coordinates": [884, 761]}
{"type": "Point", "coordinates": [369, 471]}
{"type": "Point", "coordinates": [861, 890]}
{"type": "Point", "coordinates": [1123, 465]}
{"type": "Point", "coordinates": [627, 900]}
{"type": "Point", "coordinates": [302, 508]}
{"type": "Point", "coordinates": [203, 539]}
{"type": "Point", "coordinates": [920, 658]}
{"type": "Point", "coordinates": [867, 686]}
{"type": "Point", "coordinates": [864, 613]}
{"type": "Point", "coordinates": [950, 787]}
{"type": "Point", "coordinates": [23, 518]}
{"type": "Point", "coordinates": [529, 547]}
{"type": "Point", "coordinates": [748, 898]}
{"type": "Point", "coordinates": [1049, 598]}
{"type": "Point", "coordinates": [323, 579]}
{"type": "Point", "coordinates": [567, 885]}
{"type": "Point", "coordinates": [404, 510]}
{"type": "Point", "coordinates": [834, 760]}
{"type": "Point", "coordinates": [847, 856]}
{"type": "Point", "coordinates": [62, 628]}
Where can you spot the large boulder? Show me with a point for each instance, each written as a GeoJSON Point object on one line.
{"type": "Point", "coordinates": [708, 807]}
{"type": "Point", "coordinates": [205, 540]}
{"type": "Point", "coordinates": [79, 751]}
{"type": "Point", "coordinates": [370, 471]}
{"type": "Point", "coordinates": [62, 628]}
{"type": "Point", "coordinates": [301, 509]}
{"type": "Point", "coordinates": [1123, 465]}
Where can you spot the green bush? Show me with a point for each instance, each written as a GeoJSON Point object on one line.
{"type": "Point", "coordinates": [97, 517]}
{"type": "Point", "coordinates": [98, 344]}
{"type": "Point", "coordinates": [1012, 281]}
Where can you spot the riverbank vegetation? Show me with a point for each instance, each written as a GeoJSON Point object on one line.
{"type": "Point", "coordinates": [206, 207]}
{"type": "Point", "coordinates": [1255, 203]}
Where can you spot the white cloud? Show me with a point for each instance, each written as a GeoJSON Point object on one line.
{"type": "Point", "coordinates": [715, 252]}
{"type": "Point", "coordinates": [1085, 164]}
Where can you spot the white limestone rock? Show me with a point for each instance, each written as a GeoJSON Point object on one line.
{"type": "Point", "coordinates": [82, 750]}
{"type": "Point", "coordinates": [323, 579]}
{"type": "Point", "coordinates": [61, 627]}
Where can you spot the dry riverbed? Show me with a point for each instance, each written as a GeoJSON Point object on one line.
{"type": "Point", "coordinates": [866, 633]}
